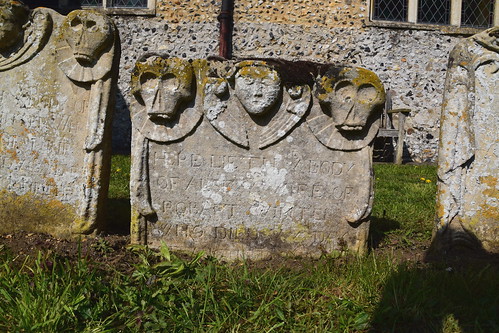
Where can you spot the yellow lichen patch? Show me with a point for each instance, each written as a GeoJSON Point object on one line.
{"type": "Point", "coordinates": [135, 232]}
{"type": "Point", "coordinates": [326, 87]}
{"type": "Point", "coordinates": [255, 69]}
{"type": "Point", "coordinates": [300, 234]}
{"type": "Point", "coordinates": [200, 67]}
{"type": "Point", "coordinates": [440, 208]}
{"type": "Point", "coordinates": [160, 67]}
{"type": "Point", "coordinates": [358, 76]}
{"type": "Point", "coordinates": [327, 82]}
{"type": "Point", "coordinates": [491, 182]}
{"type": "Point", "coordinates": [361, 76]}
{"type": "Point", "coordinates": [53, 186]}
{"type": "Point", "coordinates": [489, 212]}
{"type": "Point", "coordinates": [32, 213]}
{"type": "Point", "coordinates": [13, 154]}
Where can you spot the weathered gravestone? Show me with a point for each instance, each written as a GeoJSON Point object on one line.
{"type": "Point", "coordinates": [468, 188]}
{"type": "Point", "coordinates": [253, 158]}
{"type": "Point", "coordinates": [56, 79]}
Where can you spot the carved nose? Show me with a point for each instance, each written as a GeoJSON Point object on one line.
{"type": "Point", "coordinates": [81, 39]}
{"type": "Point", "coordinates": [257, 90]}
{"type": "Point", "coordinates": [157, 102]}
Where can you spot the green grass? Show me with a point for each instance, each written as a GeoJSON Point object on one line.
{"type": "Point", "coordinates": [162, 293]}
{"type": "Point", "coordinates": [404, 201]}
{"type": "Point", "coordinates": [118, 202]}
{"type": "Point", "coordinates": [119, 187]}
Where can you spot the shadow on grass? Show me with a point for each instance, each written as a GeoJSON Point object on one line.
{"type": "Point", "coordinates": [118, 216]}
{"type": "Point", "coordinates": [456, 290]}
{"type": "Point", "coordinates": [378, 230]}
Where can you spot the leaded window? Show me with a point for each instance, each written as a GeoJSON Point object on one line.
{"type": "Point", "coordinates": [92, 3]}
{"type": "Point", "coordinates": [129, 3]}
{"type": "Point", "coordinates": [434, 12]}
{"type": "Point", "coordinates": [462, 13]}
{"type": "Point", "coordinates": [390, 10]}
{"type": "Point", "coordinates": [477, 13]}
{"type": "Point", "coordinates": [114, 5]}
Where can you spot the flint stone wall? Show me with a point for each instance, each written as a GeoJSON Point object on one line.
{"type": "Point", "coordinates": [411, 62]}
{"type": "Point", "coordinates": [468, 188]}
{"type": "Point", "coordinates": [247, 171]}
{"type": "Point", "coordinates": [55, 118]}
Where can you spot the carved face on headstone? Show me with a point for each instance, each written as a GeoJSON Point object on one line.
{"type": "Point", "coordinates": [13, 15]}
{"type": "Point", "coordinates": [350, 96]}
{"type": "Point", "coordinates": [163, 85]}
{"type": "Point", "coordinates": [88, 33]}
{"type": "Point", "coordinates": [258, 87]}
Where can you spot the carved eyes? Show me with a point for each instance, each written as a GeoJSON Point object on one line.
{"type": "Point", "coordinates": [151, 81]}
{"type": "Point", "coordinates": [248, 81]}
{"type": "Point", "coordinates": [346, 92]}
{"type": "Point", "coordinates": [78, 24]}
{"type": "Point", "coordinates": [367, 94]}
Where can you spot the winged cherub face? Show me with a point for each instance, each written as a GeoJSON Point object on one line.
{"type": "Point", "coordinates": [258, 88]}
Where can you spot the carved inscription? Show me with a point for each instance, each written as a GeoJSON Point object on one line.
{"type": "Point", "coordinates": [196, 232]}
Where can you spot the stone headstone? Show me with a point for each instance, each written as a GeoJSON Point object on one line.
{"type": "Point", "coordinates": [468, 188]}
{"type": "Point", "coordinates": [253, 158]}
{"type": "Point", "coordinates": [56, 99]}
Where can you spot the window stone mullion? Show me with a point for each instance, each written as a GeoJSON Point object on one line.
{"type": "Point", "coordinates": [412, 11]}
{"type": "Point", "coordinates": [455, 12]}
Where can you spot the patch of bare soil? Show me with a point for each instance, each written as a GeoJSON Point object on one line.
{"type": "Point", "coordinates": [108, 251]}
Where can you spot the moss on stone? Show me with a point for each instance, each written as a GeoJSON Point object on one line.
{"type": "Point", "coordinates": [31, 213]}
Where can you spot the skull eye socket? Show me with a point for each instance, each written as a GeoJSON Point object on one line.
{"type": "Point", "coordinates": [147, 76]}
{"type": "Point", "coordinates": [76, 23]}
{"type": "Point", "coordinates": [246, 80]}
{"type": "Point", "coordinates": [170, 82]}
{"type": "Point", "coordinates": [91, 25]}
{"type": "Point", "coordinates": [345, 91]}
{"type": "Point", "coordinates": [367, 94]}
{"type": "Point", "coordinates": [149, 81]}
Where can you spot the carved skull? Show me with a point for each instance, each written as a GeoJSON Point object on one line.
{"type": "Point", "coordinates": [257, 86]}
{"type": "Point", "coordinates": [88, 33]}
{"type": "Point", "coordinates": [163, 85]}
{"type": "Point", "coordinates": [350, 96]}
{"type": "Point", "coordinates": [13, 14]}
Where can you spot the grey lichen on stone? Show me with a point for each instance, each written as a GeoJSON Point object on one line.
{"type": "Point", "coordinates": [251, 179]}
{"type": "Point", "coordinates": [57, 79]}
{"type": "Point", "coordinates": [468, 189]}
